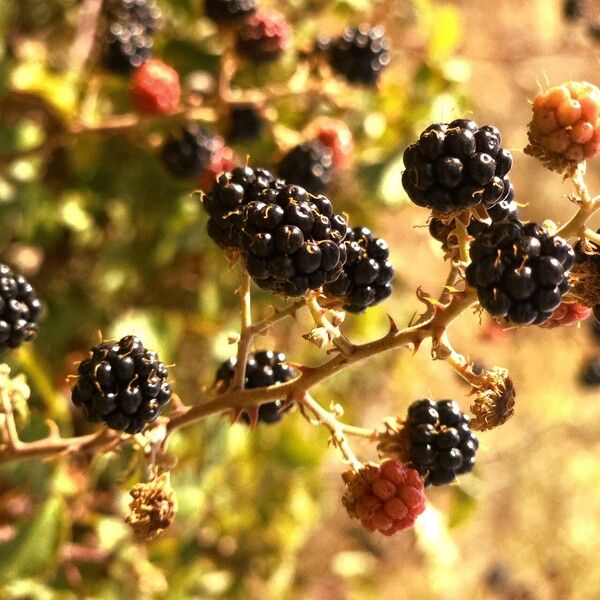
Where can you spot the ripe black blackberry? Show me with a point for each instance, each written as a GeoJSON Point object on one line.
{"type": "Point", "coordinates": [226, 11]}
{"type": "Point", "coordinates": [187, 154]}
{"type": "Point", "coordinates": [573, 10]}
{"type": "Point", "coordinates": [123, 384]}
{"type": "Point", "coordinates": [291, 241]}
{"type": "Point", "coordinates": [129, 39]}
{"type": "Point", "coordinates": [245, 124]}
{"type": "Point", "coordinates": [441, 445]}
{"type": "Point", "coordinates": [368, 272]}
{"type": "Point", "coordinates": [590, 375]}
{"type": "Point", "coordinates": [359, 55]}
{"type": "Point", "coordinates": [308, 164]}
{"type": "Point", "coordinates": [228, 196]}
{"type": "Point", "coordinates": [263, 368]}
{"type": "Point", "coordinates": [520, 271]}
{"type": "Point", "coordinates": [20, 310]}
{"type": "Point", "coordinates": [457, 166]}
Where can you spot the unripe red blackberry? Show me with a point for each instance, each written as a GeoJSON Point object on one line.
{"type": "Point", "coordinates": [187, 154]}
{"type": "Point", "coordinates": [246, 123]}
{"type": "Point", "coordinates": [155, 88]}
{"type": "Point", "coordinates": [129, 40]}
{"type": "Point", "coordinates": [20, 310]}
{"type": "Point", "coordinates": [368, 272]}
{"type": "Point", "coordinates": [308, 164]}
{"type": "Point", "coordinates": [227, 11]}
{"type": "Point", "coordinates": [263, 369]}
{"type": "Point", "coordinates": [360, 54]}
{"type": "Point", "coordinates": [457, 166]}
{"type": "Point", "coordinates": [565, 127]}
{"type": "Point", "coordinates": [386, 498]}
{"type": "Point", "coordinates": [567, 314]}
{"type": "Point", "coordinates": [335, 135]}
{"type": "Point", "coordinates": [441, 445]}
{"type": "Point", "coordinates": [292, 241]}
{"type": "Point", "coordinates": [122, 384]}
{"type": "Point", "coordinates": [264, 36]}
{"type": "Point", "coordinates": [230, 193]}
{"type": "Point", "coordinates": [520, 271]}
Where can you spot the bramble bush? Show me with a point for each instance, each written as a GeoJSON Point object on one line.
{"type": "Point", "coordinates": [164, 169]}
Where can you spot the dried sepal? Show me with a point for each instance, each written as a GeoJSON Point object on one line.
{"type": "Point", "coordinates": [394, 441]}
{"type": "Point", "coordinates": [152, 508]}
{"type": "Point", "coordinates": [585, 275]}
{"type": "Point", "coordinates": [495, 400]}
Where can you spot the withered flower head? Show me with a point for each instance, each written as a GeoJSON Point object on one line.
{"type": "Point", "coordinates": [394, 441]}
{"type": "Point", "coordinates": [495, 401]}
{"type": "Point", "coordinates": [152, 508]}
{"type": "Point", "coordinates": [585, 274]}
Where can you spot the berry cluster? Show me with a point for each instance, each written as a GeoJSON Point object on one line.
{"type": "Point", "coordinates": [245, 124]}
{"type": "Point", "coordinates": [386, 497]}
{"type": "Point", "coordinates": [123, 384]}
{"type": "Point", "coordinates": [227, 198]}
{"type": "Point", "coordinates": [573, 10]}
{"type": "Point", "coordinates": [131, 27]}
{"type": "Point", "coordinates": [292, 241]}
{"type": "Point", "coordinates": [565, 127]}
{"type": "Point", "coordinates": [359, 55]}
{"type": "Point", "coordinates": [19, 310]}
{"type": "Point", "coordinates": [188, 153]}
{"type": "Point", "coordinates": [264, 36]}
{"type": "Point", "coordinates": [441, 443]}
{"type": "Point", "coordinates": [457, 166]}
{"type": "Point", "coordinates": [263, 369]}
{"type": "Point", "coordinates": [520, 271]}
{"type": "Point", "coordinates": [308, 164]}
{"type": "Point", "coordinates": [227, 11]}
{"type": "Point", "coordinates": [368, 272]}
{"type": "Point", "coordinates": [155, 88]}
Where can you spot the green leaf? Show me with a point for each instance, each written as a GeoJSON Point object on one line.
{"type": "Point", "coordinates": [35, 548]}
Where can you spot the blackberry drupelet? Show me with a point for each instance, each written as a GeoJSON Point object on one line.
{"type": "Point", "coordinates": [457, 166]}
{"type": "Point", "coordinates": [308, 164]}
{"type": "Point", "coordinates": [227, 198]}
{"type": "Point", "coordinates": [187, 154]}
{"type": "Point", "coordinates": [226, 11]}
{"type": "Point", "coordinates": [441, 443]}
{"type": "Point", "coordinates": [590, 375]}
{"type": "Point", "coordinates": [263, 37]}
{"type": "Point", "coordinates": [263, 368]}
{"type": "Point", "coordinates": [520, 271]}
{"type": "Point", "coordinates": [245, 124]}
{"type": "Point", "coordinates": [291, 241]}
{"type": "Point", "coordinates": [368, 272]}
{"type": "Point", "coordinates": [359, 55]}
{"type": "Point", "coordinates": [20, 310]}
{"type": "Point", "coordinates": [129, 40]}
{"type": "Point", "coordinates": [123, 384]}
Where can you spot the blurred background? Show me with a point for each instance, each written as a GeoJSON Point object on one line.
{"type": "Point", "coordinates": [113, 243]}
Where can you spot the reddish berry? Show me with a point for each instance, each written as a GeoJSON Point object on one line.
{"type": "Point", "coordinates": [155, 88]}
{"type": "Point", "coordinates": [335, 135]}
{"type": "Point", "coordinates": [385, 498]}
{"type": "Point", "coordinates": [222, 160]}
{"type": "Point", "coordinates": [565, 127]}
{"type": "Point", "coordinates": [568, 313]}
{"type": "Point", "coordinates": [264, 36]}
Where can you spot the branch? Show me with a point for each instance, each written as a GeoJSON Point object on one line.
{"type": "Point", "coordinates": [86, 32]}
{"type": "Point", "coordinates": [246, 333]}
{"type": "Point", "coordinates": [576, 226]}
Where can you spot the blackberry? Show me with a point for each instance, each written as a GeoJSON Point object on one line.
{"type": "Point", "coordinates": [292, 241]}
{"type": "Point", "coordinates": [123, 384]}
{"type": "Point", "coordinates": [226, 11]}
{"type": "Point", "coordinates": [20, 310]}
{"type": "Point", "coordinates": [155, 88]}
{"type": "Point", "coordinates": [573, 10]}
{"type": "Point", "coordinates": [457, 166]}
{"type": "Point", "coordinates": [441, 444]}
{"type": "Point", "coordinates": [245, 124]}
{"type": "Point", "coordinates": [590, 374]}
{"type": "Point", "coordinates": [263, 368]}
{"type": "Point", "coordinates": [309, 164]}
{"type": "Point", "coordinates": [359, 55]}
{"type": "Point", "coordinates": [520, 271]}
{"type": "Point", "coordinates": [129, 40]}
{"type": "Point", "coordinates": [263, 36]}
{"type": "Point", "coordinates": [187, 154]}
{"type": "Point", "coordinates": [368, 272]}
{"type": "Point", "coordinates": [228, 196]}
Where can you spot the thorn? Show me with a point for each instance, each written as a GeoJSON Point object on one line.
{"type": "Point", "coordinates": [393, 327]}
